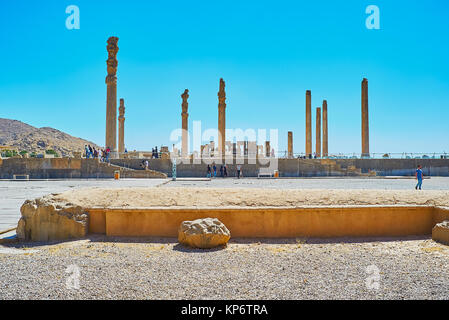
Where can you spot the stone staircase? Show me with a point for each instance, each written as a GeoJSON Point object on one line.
{"type": "Point", "coordinates": [132, 173]}
{"type": "Point", "coordinates": [335, 168]}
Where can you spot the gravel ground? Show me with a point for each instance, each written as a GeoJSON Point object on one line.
{"type": "Point", "coordinates": [154, 268]}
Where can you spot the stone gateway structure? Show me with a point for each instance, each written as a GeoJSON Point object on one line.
{"type": "Point", "coordinates": [111, 97]}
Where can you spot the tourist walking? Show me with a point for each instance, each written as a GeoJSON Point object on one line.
{"type": "Point", "coordinates": [208, 171]}
{"type": "Point", "coordinates": [419, 175]}
{"type": "Point", "coordinates": [238, 171]}
{"type": "Point", "coordinates": [86, 151]}
{"type": "Point", "coordinates": [107, 154]}
{"type": "Point", "coordinates": [215, 170]}
{"type": "Point", "coordinates": [221, 171]}
{"type": "Point", "coordinates": [225, 170]}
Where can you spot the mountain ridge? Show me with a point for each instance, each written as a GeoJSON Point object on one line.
{"type": "Point", "coordinates": [15, 133]}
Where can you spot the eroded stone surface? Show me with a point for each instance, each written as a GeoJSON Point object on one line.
{"type": "Point", "coordinates": [44, 219]}
{"type": "Point", "coordinates": [203, 233]}
{"type": "Point", "coordinates": [440, 232]}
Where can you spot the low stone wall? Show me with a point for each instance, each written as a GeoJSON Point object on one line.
{"type": "Point", "coordinates": [322, 222]}
{"type": "Point", "coordinates": [245, 212]}
{"type": "Point", "coordinates": [45, 223]}
{"type": "Point", "coordinates": [307, 167]}
{"type": "Point", "coordinates": [69, 168]}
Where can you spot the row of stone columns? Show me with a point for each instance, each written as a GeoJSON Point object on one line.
{"type": "Point", "coordinates": [324, 136]}
{"type": "Point", "coordinates": [321, 147]}
{"type": "Point", "coordinates": [324, 145]}
{"type": "Point", "coordinates": [221, 120]}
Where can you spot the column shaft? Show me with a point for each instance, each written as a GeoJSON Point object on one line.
{"type": "Point", "coordinates": [290, 144]}
{"type": "Point", "coordinates": [365, 121]}
{"type": "Point", "coordinates": [221, 119]}
{"type": "Point", "coordinates": [318, 133]}
{"type": "Point", "coordinates": [325, 135]}
{"type": "Point", "coordinates": [111, 95]}
{"type": "Point", "coordinates": [308, 123]}
{"type": "Point", "coordinates": [185, 117]}
{"type": "Point", "coordinates": [121, 127]}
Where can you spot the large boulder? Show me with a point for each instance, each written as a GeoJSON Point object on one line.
{"type": "Point", "coordinates": [440, 232]}
{"type": "Point", "coordinates": [203, 233]}
{"type": "Point", "coordinates": [45, 220]}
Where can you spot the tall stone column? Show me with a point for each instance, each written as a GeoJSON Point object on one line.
{"type": "Point", "coordinates": [325, 137]}
{"type": "Point", "coordinates": [290, 144]}
{"type": "Point", "coordinates": [185, 130]}
{"type": "Point", "coordinates": [221, 119]}
{"type": "Point", "coordinates": [121, 127]}
{"type": "Point", "coordinates": [308, 123]}
{"type": "Point", "coordinates": [365, 122]}
{"type": "Point", "coordinates": [318, 133]}
{"type": "Point", "coordinates": [111, 96]}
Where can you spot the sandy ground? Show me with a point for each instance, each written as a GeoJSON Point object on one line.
{"type": "Point", "coordinates": [154, 268]}
{"type": "Point", "coordinates": [244, 197]}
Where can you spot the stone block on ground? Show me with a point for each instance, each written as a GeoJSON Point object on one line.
{"type": "Point", "coordinates": [44, 220]}
{"type": "Point", "coordinates": [203, 233]}
{"type": "Point", "coordinates": [440, 232]}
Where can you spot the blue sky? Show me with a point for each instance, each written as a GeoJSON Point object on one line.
{"type": "Point", "coordinates": [268, 52]}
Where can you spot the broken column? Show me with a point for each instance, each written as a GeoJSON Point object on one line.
{"type": "Point", "coordinates": [185, 116]}
{"type": "Point", "coordinates": [111, 97]}
{"type": "Point", "coordinates": [318, 133]}
{"type": "Point", "coordinates": [267, 149]}
{"type": "Point", "coordinates": [308, 123]}
{"type": "Point", "coordinates": [365, 125]}
{"type": "Point", "coordinates": [290, 144]}
{"type": "Point", "coordinates": [221, 118]}
{"type": "Point", "coordinates": [121, 127]}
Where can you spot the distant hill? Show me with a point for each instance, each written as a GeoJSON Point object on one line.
{"type": "Point", "coordinates": [25, 137]}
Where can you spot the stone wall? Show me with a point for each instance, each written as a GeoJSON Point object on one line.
{"type": "Point", "coordinates": [68, 168]}
{"type": "Point", "coordinates": [321, 222]}
{"type": "Point", "coordinates": [308, 167]}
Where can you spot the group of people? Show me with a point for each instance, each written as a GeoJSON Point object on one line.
{"type": "Point", "coordinates": [92, 152]}
{"type": "Point", "coordinates": [212, 171]}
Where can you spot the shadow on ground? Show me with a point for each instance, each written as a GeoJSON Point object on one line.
{"type": "Point", "coordinates": [181, 248]}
